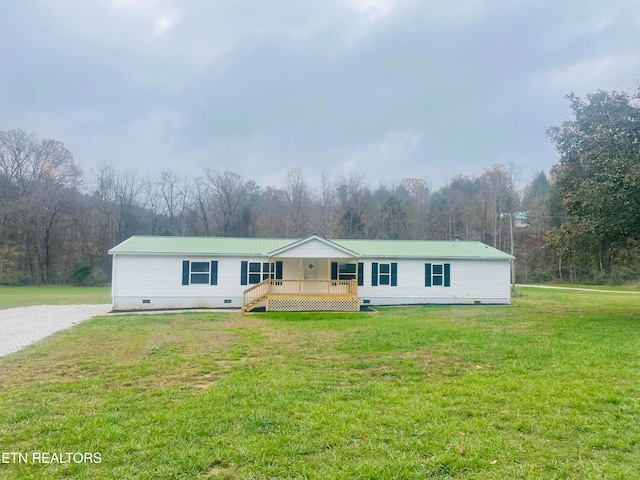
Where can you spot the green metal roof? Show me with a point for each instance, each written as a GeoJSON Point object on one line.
{"type": "Point", "coordinates": [422, 248]}
{"type": "Point", "coordinates": [201, 245]}
{"type": "Point", "coordinates": [263, 246]}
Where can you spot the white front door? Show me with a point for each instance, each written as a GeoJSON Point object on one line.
{"type": "Point", "coordinates": [310, 267]}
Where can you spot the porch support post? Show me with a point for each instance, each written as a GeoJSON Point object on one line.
{"type": "Point", "coordinates": [300, 278]}
{"type": "Point", "coordinates": [328, 275]}
{"type": "Point", "coordinates": [269, 287]}
{"type": "Point", "coordinates": [357, 276]}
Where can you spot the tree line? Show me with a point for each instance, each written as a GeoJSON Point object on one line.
{"type": "Point", "coordinates": [598, 180]}
{"type": "Point", "coordinates": [56, 223]}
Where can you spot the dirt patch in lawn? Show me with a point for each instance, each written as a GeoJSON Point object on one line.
{"type": "Point", "coordinates": [165, 353]}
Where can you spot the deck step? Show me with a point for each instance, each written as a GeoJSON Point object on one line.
{"type": "Point", "coordinates": [253, 303]}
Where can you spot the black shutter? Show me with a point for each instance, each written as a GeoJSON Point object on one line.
{"type": "Point", "coordinates": [427, 274]}
{"type": "Point", "coordinates": [374, 274]}
{"type": "Point", "coordinates": [360, 274]}
{"type": "Point", "coordinates": [394, 274]}
{"type": "Point", "coordinates": [278, 270]}
{"type": "Point", "coordinates": [243, 272]}
{"type": "Point", "coordinates": [214, 272]}
{"type": "Point", "coordinates": [185, 272]}
{"type": "Point", "coordinates": [334, 270]}
{"type": "Point", "coordinates": [447, 274]}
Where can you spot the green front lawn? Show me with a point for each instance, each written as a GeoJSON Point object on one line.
{"type": "Point", "coordinates": [52, 295]}
{"type": "Point", "coordinates": [546, 388]}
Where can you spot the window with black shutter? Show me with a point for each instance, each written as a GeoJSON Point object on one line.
{"type": "Point", "coordinates": [199, 273]}
{"type": "Point", "coordinates": [384, 274]}
{"type": "Point", "coordinates": [437, 274]}
{"type": "Point", "coordinates": [255, 272]}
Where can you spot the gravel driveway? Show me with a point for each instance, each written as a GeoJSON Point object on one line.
{"type": "Point", "coordinates": [23, 326]}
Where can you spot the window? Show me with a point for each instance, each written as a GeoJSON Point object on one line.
{"type": "Point", "coordinates": [255, 272]}
{"type": "Point", "coordinates": [259, 271]}
{"type": "Point", "coordinates": [437, 275]}
{"type": "Point", "coordinates": [384, 274]}
{"type": "Point", "coordinates": [266, 269]}
{"type": "Point", "coordinates": [200, 273]}
{"type": "Point", "coordinates": [347, 271]}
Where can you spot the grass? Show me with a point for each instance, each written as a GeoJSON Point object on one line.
{"type": "Point", "coordinates": [49, 295]}
{"type": "Point", "coordinates": [544, 389]}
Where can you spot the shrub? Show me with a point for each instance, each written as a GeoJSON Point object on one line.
{"type": "Point", "coordinates": [542, 275]}
{"type": "Point", "coordinates": [620, 275]}
{"type": "Point", "coordinates": [597, 278]}
{"type": "Point", "coordinates": [80, 274]}
{"type": "Point", "coordinates": [97, 278]}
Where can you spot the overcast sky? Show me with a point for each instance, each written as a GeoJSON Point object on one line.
{"type": "Point", "coordinates": [389, 88]}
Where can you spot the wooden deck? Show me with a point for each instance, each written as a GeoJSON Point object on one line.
{"type": "Point", "coordinates": [303, 295]}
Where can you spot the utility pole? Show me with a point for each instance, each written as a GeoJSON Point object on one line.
{"type": "Point", "coordinates": [513, 260]}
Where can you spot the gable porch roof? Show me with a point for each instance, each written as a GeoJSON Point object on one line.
{"type": "Point", "coordinates": [314, 238]}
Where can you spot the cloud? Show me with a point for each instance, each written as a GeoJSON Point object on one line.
{"type": "Point", "coordinates": [163, 23]}
{"type": "Point", "coordinates": [390, 87]}
{"type": "Point", "coordinates": [593, 73]}
{"type": "Point", "coordinates": [383, 155]}
{"type": "Point", "coordinates": [161, 15]}
{"type": "Point", "coordinates": [158, 126]}
{"type": "Point", "coordinates": [82, 132]}
{"type": "Point", "coordinates": [267, 160]}
{"type": "Point", "coordinates": [373, 9]}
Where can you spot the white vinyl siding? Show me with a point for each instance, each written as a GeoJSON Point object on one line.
{"type": "Point", "coordinates": [482, 280]}
{"type": "Point", "coordinates": [158, 278]}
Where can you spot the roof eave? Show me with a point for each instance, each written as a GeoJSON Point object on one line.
{"type": "Point", "coordinates": [441, 257]}
{"type": "Point", "coordinates": [209, 254]}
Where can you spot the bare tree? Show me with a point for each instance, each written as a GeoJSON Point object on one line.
{"type": "Point", "coordinates": [235, 201]}
{"type": "Point", "coordinates": [203, 205]}
{"type": "Point", "coordinates": [45, 178]}
{"type": "Point", "coordinates": [500, 196]}
{"type": "Point", "coordinates": [297, 197]}
{"type": "Point", "coordinates": [24, 158]}
{"type": "Point", "coordinates": [272, 222]}
{"type": "Point", "coordinates": [153, 202]}
{"type": "Point", "coordinates": [327, 218]}
{"type": "Point", "coordinates": [120, 194]}
{"type": "Point", "coordinates": [175, 189]}
{"type": "Point", "coordinates": [353, 197]}
{"type": "Point", "coordinates": [419, 221]}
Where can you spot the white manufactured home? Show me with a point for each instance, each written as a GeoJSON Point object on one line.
{"type": "Point", "coordinates": [312, 273]}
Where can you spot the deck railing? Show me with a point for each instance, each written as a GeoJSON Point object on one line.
{"type": "Point", "coordinates": [257, 292]}
{"type": "Point", "coordinates": [313, 287]}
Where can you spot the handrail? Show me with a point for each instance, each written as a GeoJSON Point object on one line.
{"type": "Point", "coordinates": [255, 293]}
